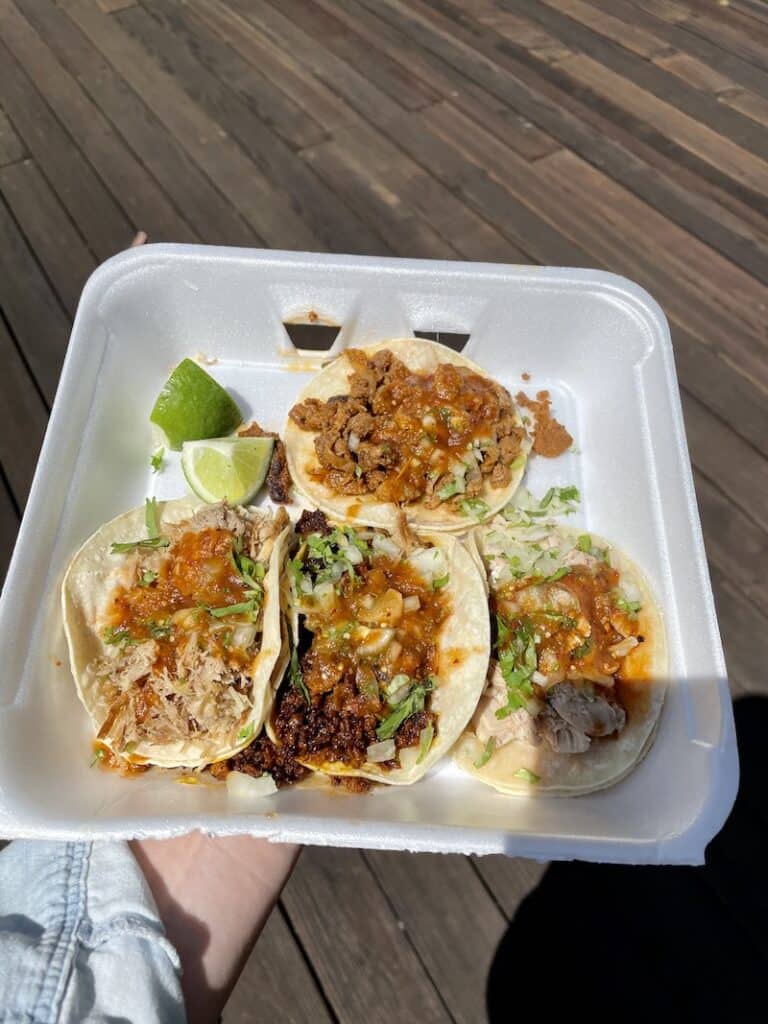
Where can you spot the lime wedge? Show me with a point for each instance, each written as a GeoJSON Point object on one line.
{"type": "Point", "coordinates": [193, 405]}
{"type": "Point", "coordinates": [231, 469]}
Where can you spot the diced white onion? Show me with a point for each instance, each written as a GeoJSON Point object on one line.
{"type": "Point", "coordinates": [385, 546]}
{"type": "Point", "coordinates": [306, 585]}
{"type": "Point", "coordinates": [411, 603]}
{"type": "Point", "coordinates": [378, 752]}
{"type": "Point", "coordinates": [394, 651]}
{"type": "Point", "coordinates": [429, 563]}
{"type": "Point", "coordinates": [352, 554]}
{"type": "Point", "coordinates": [623, 647]}
{"type": "Point", "coordinates": [325, 596]}
{"type": "Point", "coordinates": [353, 441]}
{"type": "Point", "coordinates": [243, 635]}
{"type": "Point", "coordinates": [376, 641]}
{"type": "Point", "coordinates": [246, 787]}
{"type": "Point", "coordinates": [367, 600]}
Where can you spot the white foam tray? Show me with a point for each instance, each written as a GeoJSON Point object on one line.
{"type": "Point", "coordinates": [598, 342]}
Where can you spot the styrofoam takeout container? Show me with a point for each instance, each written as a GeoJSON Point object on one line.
{"type": "Point", "coordinates": [598, 342]}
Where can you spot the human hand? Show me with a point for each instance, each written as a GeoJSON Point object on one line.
{"type": "Point", "coordinates": [214, 896]}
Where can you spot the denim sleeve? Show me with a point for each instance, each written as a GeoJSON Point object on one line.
{"type": "Point", "coordinates": [81, 939]}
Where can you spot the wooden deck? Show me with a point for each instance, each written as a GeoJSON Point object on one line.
{"type": "Point", "coordinates": [625, 134]}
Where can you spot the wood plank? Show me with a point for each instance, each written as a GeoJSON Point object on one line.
{"type": "Point", "coordinates": [509, 879]}
{"type": "Point", "coordinates": [739, 164]}
{"type": "Point", "coordinates": [695, 72]}
{"type": "Point", "coordinates": [23, 418]}
{"type": "Point", "coordinates": [278, 981]}
{"type": "Point", "coordinates": [744, 632]}
{"type": "Point", "coordinates": [748, 103]}
{"type": "Point", "coordinates": [294, 36]}
{"type": "Point", "coordinates": [549, 103]}
{"type": "Point", "coordinates": [667, 22]}
{"type": "Point", "coordinates": [601, 23]}
{"type": "Point", "coordinates": [279, 112]}
{"type": "Point", "coordinates": [211, 215]}
{"type": "Point", "coordinates": [391, 77]}
{"type": "Point", "coordinates": [443, 929]}
{"type": "Point", "coordinates": [729, 33]}
{"type": "Point", "coordinates": [268, 210]}
{"type": "Point", "coordinates": [401, 182]}
{"type": "Point", "coordinates": [80, 190]}
{"type": "Point", "coordinates": [368, 193]}
{"type": "Point", "coordinates": [110, 6]}
{"type": "Point", "coordinates": [324, 213]}
{"type": "Point", "coordinates": [133, 188]}
{"type": "Point", "coordinates": [585, 218]}
{"type": "Point", "coordinates": [9, 526]}
{"type": "Point", "coordinates": [519, 133]}
{"type": "Point", "coordinates": [736, 468]}
{"type": "Point", "coordinates": [735, 543]}
{"type": "Point", "coordinates": [349, 932]}
{"type": "Point", "coordinates": [283, 68]}
{"type": "Point", "coordinates": [524, 33]}
{"type": "Point", "coordinates": [30, 307]}
{"type": "Point", "coordinates": [649, 77]}
{"type": "Point", "coordinates": [11, 146]}
{"type": "Point", "coordinates": [53, 237]}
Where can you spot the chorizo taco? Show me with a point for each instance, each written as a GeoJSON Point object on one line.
{"type": "Point", "coordinates": [390, 650]}
{"type": "Point", "coordinates": [172, 617]}
{"type": "Point", "coordinates": [406, 425]}
{"type": "Point", "coordinates": [577, 675]}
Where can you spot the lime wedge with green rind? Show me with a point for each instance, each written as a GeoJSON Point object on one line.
{"type": "Point", "coordinates": [192, 405]}
{"type": "Point", "coordinates": [230, 469]}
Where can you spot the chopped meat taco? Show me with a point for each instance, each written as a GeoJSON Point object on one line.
{"type": "Point", "coordinates": [391, 643]}
{"type": "Point", "coordinates": [172, 616]}
{"type": "Point", "coordinates": [577, 675]}
{"type": "Point", "coordinates": [411, 425]}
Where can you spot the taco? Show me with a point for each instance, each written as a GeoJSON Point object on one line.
{"type": "Point", "coordinates": [577, 676]}
{"type": "Point", "coordinates": [391, 643]}
{"type": "Point", "coordinates": [172, 617]}
{"type": "Point", "coordinates": [406, 424]}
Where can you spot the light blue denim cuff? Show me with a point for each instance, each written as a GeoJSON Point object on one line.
{"type": "Point", "coordinates": [81, 939]}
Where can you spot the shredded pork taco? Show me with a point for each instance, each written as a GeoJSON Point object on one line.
{"type": "Point", "coordinates": [406, 424]}
{"type": "Point", "coordinates": [390, 650]}
{"type": "Point", "coordinates": [172, 616]}
{"type": "Point", "coordinates": [577, 674]}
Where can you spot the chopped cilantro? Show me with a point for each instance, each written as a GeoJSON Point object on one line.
{"type": "Point", "coordinates": [411, 705]}
{"type": "Point", "coordinates": [485, 757]}
{"type": "Point", "coordinates": [475, 508]}
{"type": "Point", "coordinates": [246, 732]}
{"type": "Point", "coordinates": [296, 677]}
{"type": "Point", "coordinates": [156, 462]}
{"type": "Point", "coordinates": [441, 582]}
{"type": "Point", "coordinates": [154, 540]}
{"type": "Point", "coordinates": [631, 608]}
{"type": "Point", "coordinates": [585, 543]}
{"type": "Point", "coordinates": [526, 775]}
{"type": "Point", "coordinates": [425, 742]}
{"type": "Point", "coordinates": [147, 578]}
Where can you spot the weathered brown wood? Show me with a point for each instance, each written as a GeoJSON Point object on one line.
{"type": "Point", "coordinates": [205, 208]}
{"type": "Point", "coordinates": [11, 147]}
{"type": "Point", "coordinates": [133, 189]}
{"type": "Point", "coordinates": [750, 42]}
{"type": "Point", "coordinates": [469, 918]}
{"type": "Point", "coordinates": [278, 112]}
{"type": "Point", "coordinates": [695, 72]}
{"type": "Point", "coordinates": [601, 23]}
{"type": "Point", "coordinates": [522, 136]}
{"type": "Point", "coordinates": [9, 525]}
{"type": "Point", "coordinates": [397, 179]}
{"type": "Point", "coordinates": [110, 6]}
{"type": "Point", "coordinates": [267, 209]}
{"type": "Point", "coordinates": [735, 466]}
{"type": "Point", "coordinates": [744, 635]}
{"type": "Point", "coordinates": [81, 192]}
{"type": "Point", "coordinates": [276, 983]}
{"type": "Point", "coordinates": [403, 231]}
{"type": "Point", "coordinates": [283, 67]}
{"type": "Point", "coordinates": [319, 208]}
{"type": "Point", "coordinates": [736, 544]}
{"type": "Point", "coordinates": [350, 933]}
{"type": "Point", "coordinates": [23, 417]}
{"type": "Point", "coordinates": [509, 879]}
{"type": "Point", "coordinates": [55, 240]}
{"type": "Point", "coordinates": [547, 101]}
{"type": "Point", "coordinates": [748, 103]}
{"type": "Point", "coordinates": [37, 320]}
{"type": "Point", "coordinates": [699, 138]}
